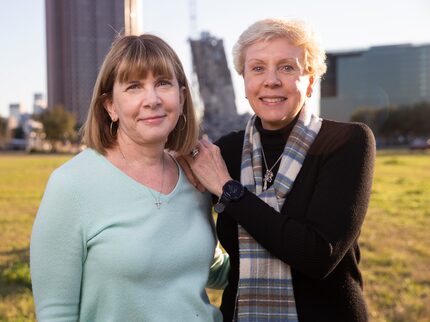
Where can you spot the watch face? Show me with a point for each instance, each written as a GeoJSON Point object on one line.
{"type": "Point", "coordinates": [233, 190]}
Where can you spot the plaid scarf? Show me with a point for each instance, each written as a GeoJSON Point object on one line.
{"type": "Point", "coordinates": [265, 289]}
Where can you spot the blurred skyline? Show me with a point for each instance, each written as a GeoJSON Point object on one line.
{"type": "Point", "coordinates": [342, 25]}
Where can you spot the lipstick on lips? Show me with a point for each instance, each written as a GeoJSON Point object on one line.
{"type": "Point", "coordinates": [273, 99]}
{"type": "Point", "coordinates": [153, 120]}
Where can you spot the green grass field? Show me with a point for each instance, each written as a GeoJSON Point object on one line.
{"type": "Point", "coordinates": [395, 238]}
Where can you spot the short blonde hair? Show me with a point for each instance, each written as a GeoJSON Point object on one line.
{"type": "Point", "coordinates": [130, 58]}
{"type": "Point", "coordinates": [296, 32]}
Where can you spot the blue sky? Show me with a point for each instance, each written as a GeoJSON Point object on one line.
{"type": "Point", "coordinates": [341, 24]}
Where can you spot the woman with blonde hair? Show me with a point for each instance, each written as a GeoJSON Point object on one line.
{"type": "Point", "coordinates": [121, 235]}
{"type": "Point", "coordinates": [292, 188]}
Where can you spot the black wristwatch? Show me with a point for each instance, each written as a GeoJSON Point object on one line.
{"type": "Point", "coordinates": [231, 191]}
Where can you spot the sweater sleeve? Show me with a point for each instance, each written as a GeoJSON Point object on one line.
{"type": "Point", "coordinates": [315, 242]}
{"type": "Point", "coordinates": [57, 252]}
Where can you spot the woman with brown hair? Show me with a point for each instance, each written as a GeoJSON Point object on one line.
{"type": "Point", "coordinates": [121, 235]}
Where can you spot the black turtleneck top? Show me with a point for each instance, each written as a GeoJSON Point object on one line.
{"type": "Point", "coordinates": [316, 232]}
{"type": "Point", "coordinates": [273, 144]}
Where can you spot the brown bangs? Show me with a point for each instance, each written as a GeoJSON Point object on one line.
{"type": "Point", "coordinates": [132, 58]}
{"type": "Point", "coordinates": [141, 58]}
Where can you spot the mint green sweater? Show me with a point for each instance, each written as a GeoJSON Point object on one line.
{"type": "Point", "coordinates": [101, 251]}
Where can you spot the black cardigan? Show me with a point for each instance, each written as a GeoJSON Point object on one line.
{"type": "Point", "coordinates": [317, 230]}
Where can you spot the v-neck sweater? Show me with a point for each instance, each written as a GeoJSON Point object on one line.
{"type": "Point", "coordinates": [102, 251]}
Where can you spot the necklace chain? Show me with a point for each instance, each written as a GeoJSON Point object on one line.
{"type": "Point", "coordinates": [268, 176]}
{"type": "Point", "coordinates": [157, 199]}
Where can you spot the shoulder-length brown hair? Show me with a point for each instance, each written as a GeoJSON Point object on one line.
{"type": "Point", "coordinates": [133, 57]}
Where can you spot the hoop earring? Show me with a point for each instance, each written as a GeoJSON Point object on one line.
{"type": "Point", "coordinates": [185, 122]}
{"type": "Point", "coordinates": [111, 129]}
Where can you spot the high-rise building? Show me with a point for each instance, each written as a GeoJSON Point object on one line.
{"type": "Point", "coordinates": [378, 77]}
{"type": "Point", "coordinates": [16, 111]}
{"type": "Point", "coordinates": [78, 36]}
{"type": "Point", "coordinates": [39, 104]}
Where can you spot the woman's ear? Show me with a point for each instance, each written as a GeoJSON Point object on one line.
{"type": "Point", "coordinates": [110, 108]}
{"type": "Point", "coordinates": [182, 96]}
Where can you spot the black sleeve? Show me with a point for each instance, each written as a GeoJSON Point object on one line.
{"type": "Point", "coordinates": [315, 241]}
{"type": "Point", "coordinates": [231, 151]}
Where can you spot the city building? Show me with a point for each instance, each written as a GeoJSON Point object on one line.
{"type": "Point", "coordinates": [39, 104]}
{"type": "Point", "coordinates": [215, 86]}
{"type": "Point", "coordinates": [378, 77]}
{"type": "Point", "coordinates": [79, 33]}
{"type": "Point", "coordinates": [16, 111]}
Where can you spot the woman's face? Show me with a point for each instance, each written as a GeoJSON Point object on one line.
{"type": "Point", "coordinates": [275, 82]}
{"type": "Point", "coordinates": [147, 109]}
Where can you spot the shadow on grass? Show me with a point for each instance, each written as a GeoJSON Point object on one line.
{"type": "Point", "coordinates": [15, 275]}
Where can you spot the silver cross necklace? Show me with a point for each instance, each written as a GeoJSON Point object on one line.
{"type": "Point", "coordinates": [157, 199]}
{"type": "Point", "coordinates": [268, 176]}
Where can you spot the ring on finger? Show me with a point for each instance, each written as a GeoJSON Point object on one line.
{"type": "Point", "coordinates": [194, 152]}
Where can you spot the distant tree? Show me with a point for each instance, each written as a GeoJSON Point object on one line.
{"type": "Point", "coordinates": [388, 122]}
{"type": "Point", "coordinates": [396, 121]}
{"type": "Point", "coordinates": [58, 124]}
{"type": "Point", "coordinates": [3, 131]}
{"type": "Point", "coordinates": [367, 116]}
{"type": "Point", "coordinates": [3, 126]}
{"type": "Point", "coordinates": [421, 119]}
{"type": "Point", "coordinates": [18, 133]}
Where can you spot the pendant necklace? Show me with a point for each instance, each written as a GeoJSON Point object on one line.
{"type": "Point", "coordinates": [268, 176]}
{"type": "Point", "coordinates": [157, 199]}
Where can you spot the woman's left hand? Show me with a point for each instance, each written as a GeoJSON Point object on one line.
{"type": "Point", "coordinates": [209, 167]}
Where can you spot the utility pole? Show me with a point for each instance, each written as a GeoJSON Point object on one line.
{"type": "Point", "coordinates": [132, 17]}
